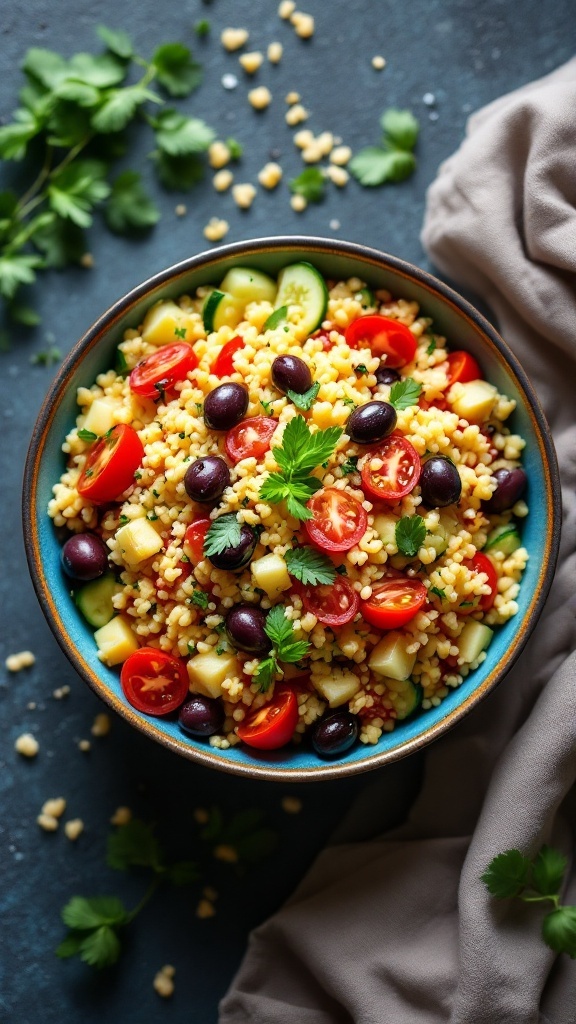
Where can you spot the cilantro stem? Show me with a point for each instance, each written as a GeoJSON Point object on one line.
{"type": "Point", "coordinates": [36, 184]}
{"type": "Point", "coordinates": [555, 899]}
{"type": "Point", "coordinates": [145, 899]}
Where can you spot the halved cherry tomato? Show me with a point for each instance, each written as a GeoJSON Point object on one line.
{"type": "Point", "coordinates": [481, 563]}
{"type": "Point", "coordinates": [437, 403]}
{"type": "Point", "coordinates": [154, 681]}
{"type": "Point", "coordinates": [462, 367]}
{"type": "Point", "coordinates": [111, 463]}
{"type": "Point", "coordinates": [399, 473]}
{"type": "Point", "coordinates": [338, 520]}
{"type": "Point", "coordinates": [159, 371]}
{"type": "Point", "coordinates": [333, 604]}
{"type": "Point", "coordinates": [384, 336]}
{"type": "Point", "coordinates": [250, 438]}
{"type": "Point", "coordinates": [394, 601]}
{"type": "Point", "coordinates": [223, 365]}
{"type": "Point", "coordinates": [194, 539]}
{"type": "Point", "coordinates": [272, 725]}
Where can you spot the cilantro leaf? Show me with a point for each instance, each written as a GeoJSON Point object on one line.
{"type": "Point", "coordinates": [310, 566]}
{"type": "Point", "coordinates": [178, 173]}
{"type": "Point", "coordinates": [297, 508]}
{"type": "Point", "coordinates": [410, 533]}
{"type": "Point", "coordinates": [310, 184]}
{"type": "Point", "coordinates": [236, 148]}
{"type": "Point", "coordinates": [266, 673]}
{"type": "Point", "coordinates": [14, 138]}
{"type": "Point", "coordinates": [87, 435]}
{"type": "Point", "coordinates": [548, 871]}
{"type": "Point", "coordinates": [82, 913]}
{"type": "Point", "coordinates": [44, 66]}
{"type": "Point", "coordinates": [178, 135]}
{"type": "Point", "coordinates": [61, 241]}
{"type": "Point", "coordinates": [276, 318]}
{"type": "Point", "coordinates": [350, 466]}
{"type": "Point", "coordinates": [375, 165]}
{"type": "Point", "coordinates": [82, 93]}
{"type": "Point", "coordinates": [223, 533]}
{"type": "Point", "coordinates": [17, 269]}
{"type": "Point", "coordinates": [202, 28]}
{"type": "Point", "coordinates": [439, 593]}
{"type": "Point", "coordinates": [77, 189]}
{"type": "Point", "coordinates": [559, 930]}
{"type": "Point", "coordinates": [303, 450]}
{"type": "Point", "coordinates": [101, 948]}
{"type": "Point", "coordinates": [200, 599]}
{"type": "Point", "coordinates": [280, 631]}
{"type": "Point", "coordinates": [129, 207]}
{"type": "Point", "coordinates": [117, 41]}
{"type": "Point", "coordinates": [507, 874]}
{"type": "Point", "coordinates": [133, 845]}
{"type": "Point", "coordinates": [400, 127]}
{"type": "Point", "coordinates": [101, 70]}
{"type": "Point", "coordinates": [177, 72]}
{"type": "Point", "coordinates": [405, 393]}
{"type": "Point", "coordinates": [306, 399]}
{"type": "Point", "coordinates": [70, 946]}
{"type": "Point", "coordinates": [119, 107]}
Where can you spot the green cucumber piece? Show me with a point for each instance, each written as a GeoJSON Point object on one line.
{"type": "Point", "coordinates": [95, 600]}
{"type": "Point", "coordinates": [221, 310]}
{"type": "Point", "coordinates": [367, 298]}
{"type": "Point", "coordinates": [302, 286]}
{"type": "Point", "coordinates": [503, 538]}
{"type": "Point", "coordinates": [411, 694]}
{"type": "Point", "coordinates": [473, 639]}
{"type": "Point", "coordinates": [249, 285]}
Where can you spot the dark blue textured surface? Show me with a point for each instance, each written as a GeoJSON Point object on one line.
{"type": "Point", "coordinates": [466, 55]}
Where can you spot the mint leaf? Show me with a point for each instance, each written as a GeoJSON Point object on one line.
{"type": "Point", "coordinates": [310, 566]}
{"type": "Point", "coordinates": [117, 41]}
{"type": "Point", "coordinates": [410, 533]}
{"type": "Point", "coordinates": [405, 393]}
{"type": "Point", "coordinates": [133, 845]}
{"type": "Point", "coordinates": [223, 533]}
{"type": "Point", "coordinates": [400, 127]}
{"type": "Point", "coordinates": [177, 72]}
{"type": "Point", "coordinates": [311, 184]}
{"type": "Point", "coordinates": [82, 913]}
{"type": "Point", "coordinates": [129, 207]}
{"type": "Point", "coordinates": [101, 948]}
{"type": "Point", "coordinates": [178, 135]}
{"type": "Point", "coordinates": [375, 165]}
{"type": "Point", "coordinates": [559, 930]}
{"type": "Point", "coordinates": [548, 871]}
{"type": "Point", "coordinates": [507, 874]}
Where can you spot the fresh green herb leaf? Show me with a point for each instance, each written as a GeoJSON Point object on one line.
{"type": "Point", "coordinates": [309, 566]}
{"type": "Point", "coordinates": [439, 593]}
{"type": "Point", "coordinates": [180, 332]}
{"type": "Point", "coordinates": [70, 946]}
{"type": "Point", "coordinates": [375, 165]}
{"type": "Point", "coordinates": [117, 41]}
{"type": "Point", "coordinates": [236, 148]}
{"type": "Point", "coordinates": [410, 533]}
{"type": "Point", "coordinates": [100, 948]}
{"type": "Point", "coordinates": [559, 930]}
{"type": "Point", "coordinates": [83, 914]}
{"type": "Point", "coordinates": [133, 845]}
{"type": "Point", "coordinates": [176, 70]}
{"type": "Point", "coordinates": [280, 631]}
{"type": "Point", "coordinates": [24, 315]}
{"type": "Point", "coordinates": [276, 318]}
{"type": "Point", "coordinates": [405, 393]}
{"type": "Point", "coordinates": [183, 872]}
{"type": "Point", "coordinates": [431, 347]}
{"type": "Point", "coordinates": [350, 402]}
{"type": "Point", "coordinates": [191, 647]}
{"type": "Point", "coordinates": [123, 520]}
{"type": "Point", "coordinates": [120, 106]}
{"type": "Point", "coordinates": [507, 874]}
{"type": "Point", "coordinates": [17, 269]}
{"type": "Point", "coordinates": [306, 400]}
{"type": "Point", "coordinates": [177, 135]}
{"type": "Point", "coordinates": [310, 184]}
{"type": "Point", "coordinates": [301, 452]}
{"type": "Point", "coordinates": [400, 128]}
{"type": "Point", "coordinates": [129, 208]}
{"type": "Point", "coordinates": [202, 28]}
{"type": "Point", "coordinates": [350, 466]}
{"type": "Point", "coordinates": [367, 298]}
{"type": "Point", "coordinates": [266, 673]}
{"type": "Point", "coordinates": [47, 357]}
{"type": "Point", "coordinates": [178, 173]}
{"type": "Point", "coordinates": [360, 369]}
{"type": "Point", "coordinates": [200, 599]}
{"type": "Point", "coordinates": [548, 870]}
{"type": "Point", "coordinates": [223, 533]}
{"type": "Point", "coordinates": [76, 189]}
{"type": "Point", "coordinates": [87, 435]}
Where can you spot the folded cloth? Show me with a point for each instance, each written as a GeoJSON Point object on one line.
{"type": "Point", "coordinates": [401, 928]}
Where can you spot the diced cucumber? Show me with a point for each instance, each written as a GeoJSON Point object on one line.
{"type": "Point", "coordinates": [221, 310]}
{"type": "Point", "coordinates": [94, 600]}
{"type": "Point", "coordinates": [407, 699]}
{"type": "Point", "coordinates": [503, 538]}
{"type": "Point", "coordinates": [473, 639]}
{"type": "Point", "coordinates": [302, 288]}
{"type": "Point", "coordinates": [249, 285]}
{"type": "Point", "coordinates": [367, 298]}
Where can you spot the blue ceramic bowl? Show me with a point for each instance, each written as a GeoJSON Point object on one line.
{"type": "Point", "coordinates": [463, 326]}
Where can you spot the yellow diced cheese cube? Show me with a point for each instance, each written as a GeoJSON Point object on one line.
{"type": "Point", "coordinates": [138, 541]}
{"type": "Point", "coordinates": [271, 575]}
{"type": "Point", "coordinates": [474, 400]}
{"type": "Point", "coordinates": [339, 687]}
{"type": "Point", "coordinates": [390, 658]}
{"type": "Point", "coordinates": [100, 416]}
{"type": "Point", "coordinates": [116, 641]}
{"type": "Point", "coordinates": [162, 322]}
{"type": "Point", "coordinates": [208, 671]}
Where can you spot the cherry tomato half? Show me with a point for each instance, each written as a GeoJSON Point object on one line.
{"type": "Point", "coordinates": [153, 681]}
{"type": "Point", "coordinates": [399, 473]}
{"type": "Point", "coordinates": [394, 601]}
{"type": "Point", "coordinates": [462, 367]}
{"type": "Point", "coordinates": [159, 371]}
{"type": "Point", "coordinates": [250, 438]}
{"type": "Point", "coordinates": [194, 539]}
{"type": "Point", "coordinates": [338, 520]}
{"type": "Point", "coordinates": [333, 604]}
{"type": "Point", "coordinates": [223, 365]}
{"type": "Point", "coordinates": [110, 465]}
{"type": "Point", "coordinates": [273, 725]}
{"type": "Point", "coordinates": [481, 563]}
{"type": "Point", "coordinates": [385, 337]}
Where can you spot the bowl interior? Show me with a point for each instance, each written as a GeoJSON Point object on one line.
{"type": "Point", "coordinates": [463, 327]}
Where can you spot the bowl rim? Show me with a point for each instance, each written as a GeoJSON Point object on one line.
{"type": "Point", "coordinates": [213, 757]}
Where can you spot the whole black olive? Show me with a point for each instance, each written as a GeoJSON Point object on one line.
{"type": "Point", "coordinates": [201, 716]}
{"type": "Point", "coordinates": [236, 556]}
{"type": "Point", "coordinates": [371, 422]}
{"type": "Point", "coordinates": [206, 479]}
{"type": "Point", "coordinates": [245, 628]}
{"type": "Point", "coordinates": [386, 374]}
{"type": "Point", "coordinates": [84, 557]}
{"type": "Point", "coordinates": [225, 406]}
{"type": "Point", "coordinates": [440, 482]}
{"type": "Point", "coordinates": [290, 373]}
{"type": "Point", "coordinates": [335, 733]}
{"type": "Point", "coordinates": [511, 484]}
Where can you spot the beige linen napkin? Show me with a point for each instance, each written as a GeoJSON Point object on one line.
{"type": "Point", "coordinates": [401, 929]}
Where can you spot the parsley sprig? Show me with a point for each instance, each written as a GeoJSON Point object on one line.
{"type": "Point", "coordinates": [67, 134]}
{"type": "Point", "coordinates": [301, 452]}
{"type": "Point", "coordinates": [310, 566]}
{"type": "Point", "coordinates": [394, 159]}
{"type": "Point", "coordinates": [405, 393]}
{"type": "Point", "coordinates": [533, 880]}
{"type": "Point", "coordinates": [306, 400]}
{"type": "Point", "coordinates": [280, 632]}
{"type": "Point", "coordinates": [224, 533]}
{"type": "Point", "coordinates": [410, 533]}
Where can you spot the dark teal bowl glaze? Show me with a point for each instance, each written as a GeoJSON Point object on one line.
{"type": "Point", "coordinates": [464, 328]}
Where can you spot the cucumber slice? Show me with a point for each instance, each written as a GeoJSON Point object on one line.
{"type": "Point", "coordinates": [249, 285]}
{"type": "Point", "coordinates": [95, 600]}
{"type": "Point", "coordinates": [221, 310]}
{"type": "Point", "coordinates": [473, 639]}
{"type": "Point", "coordinates": [409, 696]}
{"type": "Point", "coordinates": [302, 288]}
{"type": "Point", "coordinates": [503, 538]}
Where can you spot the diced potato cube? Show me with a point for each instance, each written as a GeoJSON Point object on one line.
{"type": "Point", "coordinates": [100, 416]}
{"type": "Point", "coordinates": [475, 400]}
{"type": "Point", "coordinates": [208, 671]}
{"type": "Point", "coordinates": [473, 639]}
{"type": "Point", "coordinates": [138, 541]}
{"type": "Point", "coordinates": [161, 323]}
{"type": "Point", "coordinates": [116, 641]}
{"type": "Point", "coordinates": [339, 687]}
{"type": "Point", "coordinates": [271, 575]}
{"type": "Point", "coordinates": [385, 526]}
{"type": "Point", "coordinates": [390, 658]}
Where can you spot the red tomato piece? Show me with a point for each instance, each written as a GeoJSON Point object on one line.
{"type": "Point", "coordinates": [438, 403]}
{"type": "Point", "coordinates": [384, 336]}
{"type": "Point", "coordinates": [338, 520]}
{"type": "Point", "coordinates": [272, 725]}
{"type": "Point", "coordinates": [159, 371]}
{"type": "Point", "coordinates": [333, 604]}
{"type": "Point", "coordinates": [394, 601]}
{"type": "Point", "coordinates": [399, 473]}
{"type": "Point", "coordinates": [110, 465]}
{"type": "Point", "coordinates": [153, 681]}
{"type": "Point", "coordinates": [223, 365]}
{"type": "Point", "coordinates": [462, 367]}
{"type": "Point", "coordinates": [250, 438]}
{"type": "Point", "coordinates": [481, 563]}
{"type": "Point", "coordinates": [194, 539]}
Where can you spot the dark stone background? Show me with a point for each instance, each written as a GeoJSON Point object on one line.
{"type": "Point", "coordinates": [466, 54]}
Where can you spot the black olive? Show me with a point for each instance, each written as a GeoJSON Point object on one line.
{"type": "Point", "coordinates": [206, 479]}
{"type": "Point", "coordinates": [440, 482]}
{"type": "Point", "coordinates": [511, 484]}
{"type": "Point", "coordinates": [335, 733]}
{"type": "Point", "coordinates": [225, 406]}
{"type": "Point", "coordinates": [371, 422]}
{"type": "Point", "coordinates": [245, 628]}
{"type": "Point", "coordinates": [84, 557]}
{"type": "Point", "coordinates": [201, 716]}
{"type": "Point", "coordinates": [290, 373]}
{"type": "Point", "coordinates": [237, 555]}
{"type": "Point", "coordinates": [386, 374]}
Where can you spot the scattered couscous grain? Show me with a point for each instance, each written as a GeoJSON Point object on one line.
{"type": "Point", "coordinates": [260, 97]}
{"type": "Point", "coordinates": [218, 154]}
{"type": "Point", "coordinates": [291, 804]}
{"type": "Point", "coordinates": [163, 983]}
{"type": "Point", "coordinates": [234, 38]}
{"type": "Point", "coordinates": [60, 692]}
{"type": "Point", "coordinates": [27, 745]}
{"type": "Point", "coordinates": [338, 175]}
{"type": "Point", "coordinates": [87, 261]}
{"type": "Point", "coordinates": [122, 815]}
{"type": "Point", "coordinates": [16, 662]}
{"type": "Point", "coordinates": [244, 194]}
{"type": "Point", "coordinates": [180, 209]}
{"type": "Point", "coordinates": [286, 9]}
{"type": "Point", "coordinates": [216, 229]}
{"type": "Point", "coordinates": [201, 815]}
{"type": "Point", "coordinates": [47, 822]}
{"type": "Point", "coordinates": [54, 807]}
{"type": "Point", "coordinates": [292, 97]}
{"type": "Point", "coordinates": [210, 893]}
{"type": "Point", "coordinates": [296, 115]}
{"type": "Point", "coordinates": [303, 24]}
{"type": "Point", "coordinates": [270, 176]}
{"type": "Point", "coordinates": [303, 138]}
{"type": "Point", "coordinates": [250, 62]}
{"type": "Point", "coordinates": [378, 62]}
{"type": "Point", "coordinates": [101, 725]}
{"type": "Point", "coordinates": [84, 746]}
{"type": "Point", "coordinates": [340, 155]}
{"type": "Point", "coordinates": [226, 853]}
{"type": "Point", "coordinates": [205, 908]}
{"type": "Point", "coordinates": [274, 52]}
{"type": "Point", "coordinates": [222, 180]}
{"type": "Point", "coordinates": [298, 203]}
{"type": "Point", "coordinates": [73, 829]}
